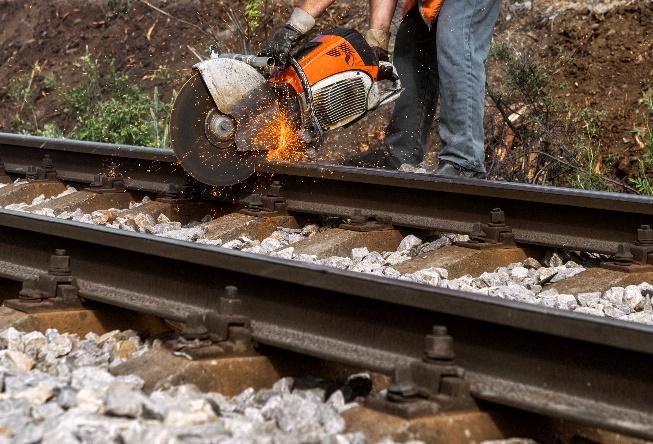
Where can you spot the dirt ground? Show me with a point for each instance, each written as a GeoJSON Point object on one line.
{"type": "Point", "coordinates": [607, 48]}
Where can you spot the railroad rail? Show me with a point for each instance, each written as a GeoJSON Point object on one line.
{"type": "Point", "coordinates": [592, 370]}
{"type": "Point", "coordinates": [548, 216]}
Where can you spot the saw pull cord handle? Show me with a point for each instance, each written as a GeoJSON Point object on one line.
{"type": "Point", "coordinates": [309, 100]}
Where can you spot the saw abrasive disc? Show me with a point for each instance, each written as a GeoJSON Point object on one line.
{"type": "Point", "coordinates": [258, 117]}
{"type": "Point", "coordinates": [211, 164]}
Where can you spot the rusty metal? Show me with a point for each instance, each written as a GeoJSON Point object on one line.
{"type": "Point", "coordinates": [45, 172]}
{"type": "Point", "coordinates": [538, 215]}
{"type": "Point", "coordinates": [272, 203]}
{"type": "Point", "coordinates": [547, 216]}
{"type": "Point", "coordinates": [145, 169]}
{"type": "Point", "coordinates": [527, 356]}
{"type": "Point", "coordinates": [636, 257]}
{"type": "Point", "coordinates": [55, 288]}
{"type": "Point", "coordinates": [217, 330]}
{"type": "Point", "coordinates": [110, 181]}
{"type": "Point", "coordinates": [493, 235]}
{"type": "Point", "coordinates": [358, 222]}
{"type": "Point", "coordinates": [434, 384]}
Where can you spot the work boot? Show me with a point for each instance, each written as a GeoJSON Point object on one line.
{"type": "Point", "coordinates": [379, 158]}
{"type": "Point", "coordinates": [450, 169]}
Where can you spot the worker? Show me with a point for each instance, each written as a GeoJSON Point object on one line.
{"type": "Point", "coordinates": [440, 50]}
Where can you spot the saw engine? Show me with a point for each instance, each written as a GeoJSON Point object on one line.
{"type": "Point", "coordinates": [239, 110]}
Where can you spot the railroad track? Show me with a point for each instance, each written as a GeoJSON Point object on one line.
{"type": "Point", "coordinates": [313, 227]}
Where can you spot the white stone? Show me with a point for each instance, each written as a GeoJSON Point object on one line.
{"type": "Point", "coordinates": [515, 292]}
{"type": "Point", "coordinates": [549, 292]}
{"type": "Point", "coordinates": [566, 273]}
{"type": "Point", "coordinates": [33, 342]}
{"type": "Point", "coordinates": [408, 243]}
{"type": "Point", "coordinates": [186, 234]}
{"type": "Point", "coordinates": [589, 299]}
{"type": "Point", "coordinates": [166, 227]}
{"type": "Point", "coordinates": [366, 266]}
{"type": "Point", "coordinates": [612, 311]}
{"type": "Point", "coordinates": [396, 258]}
{"type": "Point", "coordinates": [308, 258]}
{"type": "Point", "coordinates": [374, 258]}
{"type": "Point", "coordinates": [566, 302]}
{"type": "Point", "coordinates": [357, 254]}
{"type": "Point", "coordinates": [89, 400]}
{"type": "Point", "coordinates": [17, 360]}
{"type": "Point", "coordinates": [144, 222]}
{"type": "Point", "coordinates": [270, 244]}
{"type": "Point", "coordinates": [163, 219]}
{"type": "Point", "coordinates": [614, 295]}
{"type": "Point", "coordinates": [643, 317]}
{"type": "Point", "coordinates": [548, 300]}
{"type": "Point", "coordinates": [391, 273]}
{"type": "Point", "coordinates": [38, 394]}
{"type": "Point", "coordinates": [433, 246]}
{"type": "Point", "coordinates": [633, 298]}
{"type": "Point", "coordinates": [342, 263]}
{"type": "Point", "coordinates": [197, 411]}
{"type": "Point", "coordinates": [39, 200]}
{"type": "Point", "coordinates": [293, 238]}
{"type": "Point", "coordinates": [286, 253]}
{"type": "Point", "coordinates": [235, 244]}
{"type": "Point", "coordinates": [532, 263]}
{"type": "Point", "coordinates": [646, 288]}
{"type": "Point", "coordinates": [595, 311]}
{"type": "Point", "coordinates": [428, 276]}
{"type": "Point", "coordinates": [519, 273]}
{"type": "Point", "coordinates": [309, 230]}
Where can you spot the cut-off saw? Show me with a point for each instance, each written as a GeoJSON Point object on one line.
{"type": "Point", "coordinates": [238, 110]}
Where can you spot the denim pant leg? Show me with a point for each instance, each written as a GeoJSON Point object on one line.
{"type": "Point", "coordinates": [416, 62]}
{"type": "Point", "coordinates": [464, 34]}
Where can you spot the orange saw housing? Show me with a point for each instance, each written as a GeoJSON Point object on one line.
{"type": "Point", "coordinates": [340, 50]}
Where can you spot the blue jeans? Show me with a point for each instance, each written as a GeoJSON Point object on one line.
{"type": "Point", "coordinates": [448, 60]}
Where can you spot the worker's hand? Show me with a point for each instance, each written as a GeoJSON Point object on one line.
{"type": "Point", "coordinates": [285, 40]}
{"type": "Point", "coordinates": [379, 40]}
{"type": "Point", "coordinates": [387, 72]}
{"type": "Point", "coordinates": [382, 54]}
{"type": "Point", "coordinates": [280, 47]}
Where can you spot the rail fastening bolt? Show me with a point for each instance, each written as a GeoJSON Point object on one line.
{"type": "Point", "coordinates": [623, 255]}
{"type": "Point", "coordinates": [230, 304]}
{"type": "Point", "coordinates": [645, 235]}
{"type": "Point", "coordinates": [438, 345]}
{"type": "Point", "coordinates": [59, 263]}
{"type": "Point", "coordinates": [497, 217]}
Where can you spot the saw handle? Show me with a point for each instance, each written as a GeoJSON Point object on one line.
{"type": "Point", "coordinates": [252, 60]}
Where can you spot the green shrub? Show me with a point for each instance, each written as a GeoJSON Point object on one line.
{"type": "Point", "coordinates": [642, 182]}
{"type": "Point", "coordinates": [50, 130]}
{"type": "Point", "coordinates": [254, 11]}
{"type": "Point", "coordinates": [115, 109]}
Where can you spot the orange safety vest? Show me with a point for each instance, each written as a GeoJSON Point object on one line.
{"type": "Point", "coordinates": [428, 8]}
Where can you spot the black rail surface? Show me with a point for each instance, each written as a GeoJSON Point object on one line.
{"type": "Point", "coordinates": [593, 370]}
{"type": "Point", "coordinates": [557, 217]}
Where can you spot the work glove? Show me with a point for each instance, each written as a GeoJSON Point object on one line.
{"type": "Point", "coordinates": [285, 40]}
{"type": "Point", "coordinates": [379, 41]}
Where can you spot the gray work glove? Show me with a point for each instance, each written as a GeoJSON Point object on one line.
{"type": "Point", "coordinates": [379, 40]}
{"type": "Point", "coordinates": [285, 40]}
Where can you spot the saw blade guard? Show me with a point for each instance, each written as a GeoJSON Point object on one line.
{"type": "Point", "coordinates": [229, 80]}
